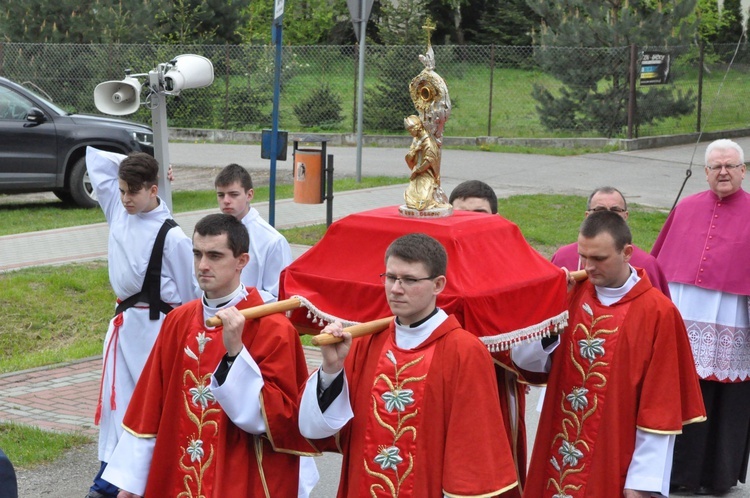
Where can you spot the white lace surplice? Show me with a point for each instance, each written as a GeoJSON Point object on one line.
{"type": "Point", "coordinates": [719, 331]}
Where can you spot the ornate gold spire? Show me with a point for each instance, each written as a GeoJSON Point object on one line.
{"type": "Point", "coordinates": [429, 27]}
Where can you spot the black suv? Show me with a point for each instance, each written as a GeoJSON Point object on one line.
{"type": "Point", "coordinates": [43, 148]}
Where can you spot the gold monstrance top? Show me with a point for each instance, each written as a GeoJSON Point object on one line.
{"type": "Point", "coordinates": [429, 27]}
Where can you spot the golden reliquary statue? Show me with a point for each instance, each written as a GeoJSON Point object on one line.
{"type": "Point", "coordinates": [423, 196]}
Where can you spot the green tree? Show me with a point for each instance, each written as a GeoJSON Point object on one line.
{"type": "Point", "coordinates": [306, 22]}
{"type": "Point", "coordinates": [401, 21]}
{"type": "Point", "coordinates": [504, 23]}
{"type": "Point", "coordinates": [83, 21]}
{"type": "Point", "coordinates": [584, 44]}
{"type": "Point", "coordinates": [183, 22]}
{"type": "Point", "coordinates": [389, 101]}
{"type": "Point", "coordinates": [321, 108]}
{"type": "Point", "coordinates": [731, 20]}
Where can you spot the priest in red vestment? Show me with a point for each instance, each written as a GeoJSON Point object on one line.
{"type": "Point", "coordinates": [215, 412]}
{"type": "Point", "coordinates": [621, 383]}
{"type": "Point", "coordinates": [413, 408]}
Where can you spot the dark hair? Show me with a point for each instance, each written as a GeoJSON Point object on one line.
{"type": "Point", "coordinates": [609, 222]}
{"type": "Point", "coordinates": [420, 248]}
{"type": "Point", "coordinates": [139, 170]}
{"type": "Point", "coordinates": [234, 173]}
{"type": "Point", "coordinates": [606, 190]}
{"type": "Point", "coordinates": [216, 224]}
{"type": "Point", "coordinates": [475, 188]}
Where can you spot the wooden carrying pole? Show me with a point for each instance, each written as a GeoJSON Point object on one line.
{"type": "Point", "coordinates": [262, 310]}
{"type": "Point", "coordinates": [578, 275]}
{"type": "Point", "coordinates": [357, 330]}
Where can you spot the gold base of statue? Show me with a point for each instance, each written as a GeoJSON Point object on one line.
{"type": "Point", "coordinates": [403, 210]}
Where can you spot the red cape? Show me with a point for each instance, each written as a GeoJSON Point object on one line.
{"type": "Point", "coordinates": [459, 450]}
{"type": "Point", "coordinates": [497, 283]}
{"type": "Point", "coordinates": [650, 384]}
{"type": "Point", "coordinates": [236, 463]}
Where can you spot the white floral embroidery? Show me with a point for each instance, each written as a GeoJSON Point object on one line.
{"type": "Point", "coordinates": [202, 340]}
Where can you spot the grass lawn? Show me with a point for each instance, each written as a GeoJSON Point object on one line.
{"type": "Point", "coordinates": [28, 446]}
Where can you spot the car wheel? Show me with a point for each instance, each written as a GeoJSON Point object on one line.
{"type": "Point", "coordinates": [81, 189]}
{"type": "Point", "coordinates": [64, 196]}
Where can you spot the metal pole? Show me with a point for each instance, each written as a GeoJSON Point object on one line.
{"type": "Point", "coordinates": [361, 89]}
{"type": "Point", "coordinates": [632, 93]}
{"type": "Point", "coordinates": [161, 134]}
{"type": "Point", "coordinates": [329, 190]}
{"type": "Point", "coordinates": [276, 35]}
{"type": "Point", "coordinates": [492, 77]}
{"type": "Point", "coordinates": [700, 86]}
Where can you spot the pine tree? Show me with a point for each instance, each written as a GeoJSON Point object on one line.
{"type": "Point", "coordinates": [730, 31]}
{"type": "Point", "coordinates": [505, 23]}
{"type": "Point", "coordinates": [585, 45]}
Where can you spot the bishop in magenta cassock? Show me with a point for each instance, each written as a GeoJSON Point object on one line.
{"type": "Point", "coordinates": [703, 250]}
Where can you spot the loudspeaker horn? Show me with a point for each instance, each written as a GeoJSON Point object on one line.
{"type": "Point", "coordinates": [118, 98]}
{"type": "Point", "coordinates": [188, 71]}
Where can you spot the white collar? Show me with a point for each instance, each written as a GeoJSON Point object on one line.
{"type": "Point", "coordinates": [410, 337]}
{"type": "Point", "coordinates": [610, 295]}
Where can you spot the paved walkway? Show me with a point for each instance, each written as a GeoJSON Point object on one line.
{"type": "Point", "coordinates": [63, 397]}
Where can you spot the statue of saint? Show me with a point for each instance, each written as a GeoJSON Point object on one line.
{"type": "Point", "coordinates": [423, 159]}
{"type": "Point", "coordinates": [428, 91]}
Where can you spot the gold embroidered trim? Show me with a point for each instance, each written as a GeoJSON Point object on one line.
{"type": "Point", "coordinates": [258, 448]}
{"type": "Point", "coordinates": [138, 434]}
{"type": "Point", "coordinates": [572, 446]}
{"type": "Point", "coordinates": [485, 495]}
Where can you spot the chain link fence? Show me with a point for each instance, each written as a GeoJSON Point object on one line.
{"type": "Point", "coordinates": [512, 92]}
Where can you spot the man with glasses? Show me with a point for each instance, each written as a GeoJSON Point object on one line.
{"type": "Point", "coordinates": [413, 408]}
{"type": "Point", "coordinates": [611, 199]}
{"type": "Point", "coordinates": [703, 249]}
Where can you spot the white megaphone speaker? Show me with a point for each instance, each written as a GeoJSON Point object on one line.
{"type": "Point", "coordinates": [118, 98]}
{"type": "Point", "coordinates": [188, 71]}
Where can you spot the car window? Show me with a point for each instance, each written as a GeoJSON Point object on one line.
{"type": "Point", "coordinates": [12, 105]}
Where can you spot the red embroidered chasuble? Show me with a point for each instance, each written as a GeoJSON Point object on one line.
{"type": "Point", "coordinates": [451, 440]}
{"type": "Point", "coordinates": [581, 393]}
{"type": "Point", "coordinates": [617, 369]}
{"type": "Point", "coordinates": [199, 452]}
{"type": "Point", "coordinates": [393, 425]}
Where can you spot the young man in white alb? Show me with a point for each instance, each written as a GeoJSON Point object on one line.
{"type": "Point", "coordinates": [127, 190]}
{"type": "Point", "coordinates": [269, 251]}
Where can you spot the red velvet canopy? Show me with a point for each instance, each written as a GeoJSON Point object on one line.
{"type": "Point", "coordinates": [498, 286]}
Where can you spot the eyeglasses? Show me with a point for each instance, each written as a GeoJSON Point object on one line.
{"type": "Point", "coordinates": [404, 281]}
{"type": "Point", "coordinates": [728, 167]}
{"type": "Point", "coordinates": [614, 209]}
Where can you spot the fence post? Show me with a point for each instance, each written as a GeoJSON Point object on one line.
{"type": "Point", "coordinates": [492, 77]}
{"type": "Point", "coordinates": [700, 85]}
{"type": "Point", "coordinates": [111, 74]}
{"type": "Point", "coordinates": [226, 89]}
{"type": "Point", "coordinates": [2, 56]}
{"type": "Point", "coordinates": [632, 93]}
{"type": "Point", "coordinates": [354, 94]}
